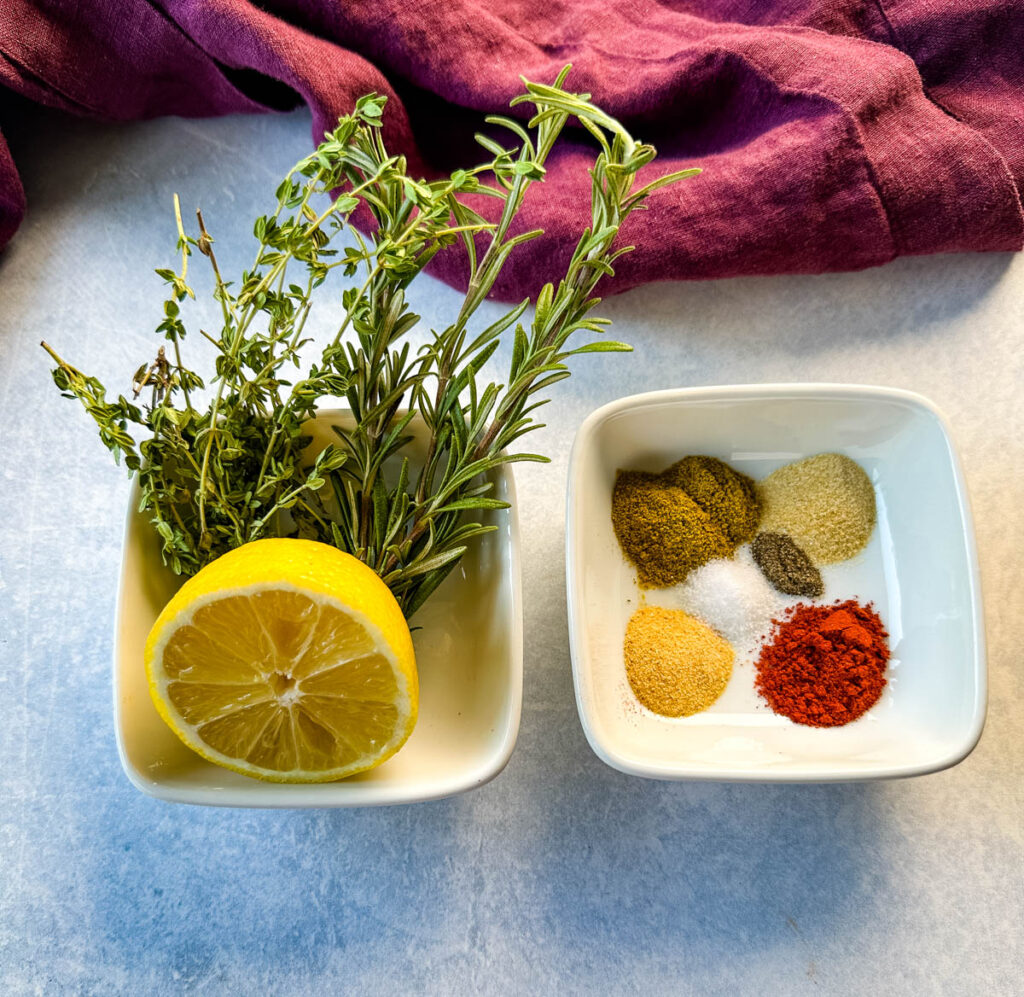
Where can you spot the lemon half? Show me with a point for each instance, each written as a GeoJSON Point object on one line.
{"type": "Point", "coordinates": [286, 660]}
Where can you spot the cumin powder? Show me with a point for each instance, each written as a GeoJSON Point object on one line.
{"type": "Point", "coordinates": [661, 529]}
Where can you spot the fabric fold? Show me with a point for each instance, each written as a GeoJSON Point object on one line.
{"type": "Point", "coordinates": [833, 134]}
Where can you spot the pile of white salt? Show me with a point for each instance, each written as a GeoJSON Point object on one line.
{"type": "Point", "coordinates": [731, 596]}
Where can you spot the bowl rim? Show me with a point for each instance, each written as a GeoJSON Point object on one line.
{"type": "Point", "coordinates": [813, 772]}
{"type": "Point", "coordinates": [281, 796]}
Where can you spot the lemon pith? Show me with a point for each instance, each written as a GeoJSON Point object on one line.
{"type": "Point", "coordinates": [286, 660]}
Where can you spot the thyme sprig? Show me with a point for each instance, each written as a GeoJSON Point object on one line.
{"type": "Point", "coordinates": [216, 475]}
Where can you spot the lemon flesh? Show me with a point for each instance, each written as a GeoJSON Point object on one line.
{"type": "Point", "coordinates": [286, 660]}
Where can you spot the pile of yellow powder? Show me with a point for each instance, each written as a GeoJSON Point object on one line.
{"type": "Point", "coordinates": [676, 665]}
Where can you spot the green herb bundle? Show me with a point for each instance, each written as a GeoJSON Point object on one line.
{"type": "Point", "coordinates": [234, 468]}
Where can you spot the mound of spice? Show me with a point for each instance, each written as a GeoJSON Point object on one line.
{"type": "Point", "coordinates": [731, 596]}
{"type": "Point", "coordinates": [676, 665]}
{"type": "Point", "coordinates": [670, 523]}
{"type": "Point", "coordinates": [662, 531]}
{"type": "Point", "coordinates": [826, 504]}
{"type": "Point", "coordinates": [824, 666]}
{"type": "Point", "coordinates": [786, 566]}
{"type": "Point", "coordinates": [728, 497]}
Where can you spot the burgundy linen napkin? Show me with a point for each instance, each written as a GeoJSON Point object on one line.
{"type": "Point", "coordinates": [834, 134]}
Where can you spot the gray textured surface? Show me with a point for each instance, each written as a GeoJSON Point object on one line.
{"type": "Point", "coordinates": [562, 875]}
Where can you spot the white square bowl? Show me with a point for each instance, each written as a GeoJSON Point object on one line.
{"type": "Point", "coordinates": [919, 569]}
{"type": "Point", "coordinates": [468, 639]}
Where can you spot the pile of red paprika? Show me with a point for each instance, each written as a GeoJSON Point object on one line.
{"type": "Point", "coordinates": [824, 666]}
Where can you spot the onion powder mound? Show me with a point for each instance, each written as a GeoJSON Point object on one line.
{"type": "Point", "coordinates": [825, 503]}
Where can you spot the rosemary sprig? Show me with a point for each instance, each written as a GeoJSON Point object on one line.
{"type": "Point", "coordinates": [216, 475]}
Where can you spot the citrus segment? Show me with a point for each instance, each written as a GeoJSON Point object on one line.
{"type": "Point", "coordinates": [285, 660]}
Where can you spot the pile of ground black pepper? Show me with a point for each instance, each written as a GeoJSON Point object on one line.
{"type": "Point", "coordinates": [786, 566]}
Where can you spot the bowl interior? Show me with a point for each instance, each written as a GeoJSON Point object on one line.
{"type": "Point", "coordinates": [468, 646]}
{"type": "Point", "coordinates": [918, 569]}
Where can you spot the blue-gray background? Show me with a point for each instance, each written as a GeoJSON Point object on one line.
{"type": "Point", "coordinates": [562, 875]}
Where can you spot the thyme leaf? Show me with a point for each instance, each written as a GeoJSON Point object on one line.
{"type": "Point", "coordinates": [216, 474]}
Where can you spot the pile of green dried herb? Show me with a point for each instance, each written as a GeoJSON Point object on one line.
{"type": "Point", "coordinates": [728, 497]}
{"type": "Point", "coordinates": [221, 458]}
{"type": "Point", "coordinates": [670, 523]}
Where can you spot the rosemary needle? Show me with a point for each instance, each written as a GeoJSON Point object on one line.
{"type": "Point", "coordinates": [217, 474]}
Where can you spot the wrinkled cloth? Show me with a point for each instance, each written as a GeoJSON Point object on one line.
{"type": "Point", "coordinates": [833, 134]}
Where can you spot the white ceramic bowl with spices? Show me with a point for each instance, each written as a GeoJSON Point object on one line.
{"type": "Point", "coordinates": [919, 569]}
{"type": "Point", "coordinates": [468, 640]}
